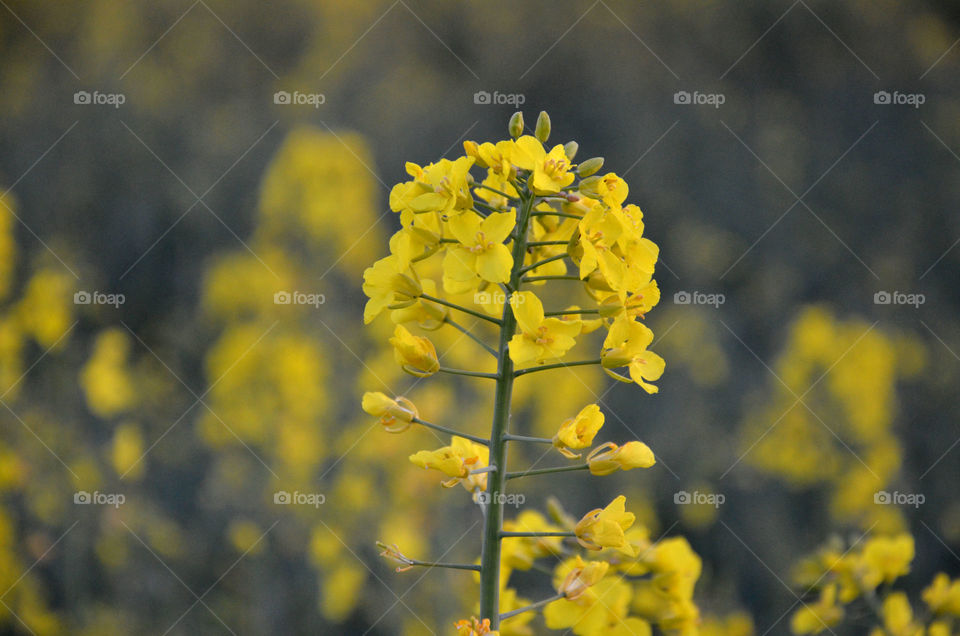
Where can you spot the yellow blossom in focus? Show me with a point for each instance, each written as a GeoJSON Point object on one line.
{"type": "Point", "coordinates": [456, 461]}
{"type": "Point", "coordinates": [604, 528]}
{"type": "Point", "coordinates": [539, 338]}
{"type": "Point", "coordinates": [481, 252]}
{"type": "Point", "coordinates": [396, 414]}
{"type": "Point", "coordinates": [415, 354]}
{"type": "Point", "coordinates": [578, 432]}
{"type": "Point", "coordinates": [609, 458]}
{"type": "Point", "coordinates": [626, 345]}
{"type": "Point", "coordinates": [551, 171]}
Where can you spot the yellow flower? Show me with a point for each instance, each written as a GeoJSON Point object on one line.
{"type": "Point", "coordinates": [609, 458]}
{"type": "Point", "coordinates": [579, 431]}
{"type": "Point", "coordinates": [481, 251]}
{"type": "Point", "coordinates": [388, 285]}
{"type": "Point", "coordinates": [456, 461]}
{"type": "Point", "coordinates": [539, 338]}
{"type": "Point", "coordinates": [395, 415]}
{"type": "Point", "coordinates": [583, 576]}
{"type": "Point", "coordinates": [610, 188]}
{"type": "Point", "coordinates": [604, 528]}
{"type": "Point", "coordinates": [439, 187]}
{"type": "Point", "coordinates": [816, 617]}
{"type": "Point", "coordinates": [551, 171]}
{"type": "Point", "coordinates": [626, 345]}
{"type": "Point", "coordinates": [943, 595]}
{"type": "Point", "coordinates": [599, 231]}
{"type": "Point", "coordinates": [415, 354]}
{"type": "Point", "coordinates": [898, 617]}
{"type": "Point", "coordinates": [475, 627]}
{"type": "Point", "coordinates": [885, 559]}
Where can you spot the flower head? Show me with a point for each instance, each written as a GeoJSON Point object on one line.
{"type": "Point", "coordinates": [475, 627]}
{"type": "Point", "coordinates": [480, 253]}
{"type": "Point", "coordinates": [609, 458]}
{"type": "Point", "coordinates": [415, 354]}
{"type": "Point", "coordinates": [579, 431]}
{"type": "Point", "coordinates": [539, 338]}
{"type": "Point", "coordinates": [583, 576]}
{"type": "Point", "coordinates": [604, 528]}
{"type": "Point", "coordinates": [626, 345]}
{"type": "Point", "coordinates": [456, 461]}
{"type": "Point", "coordinates": [396, 414]}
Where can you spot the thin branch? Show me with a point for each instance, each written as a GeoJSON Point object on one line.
{"type": "Point", "coordinates": [532, 279]}
{"type": "Point", "coordinates": [506, 533]}
{"type": "Point", "coordinates": [472, 336]}
{"type": "Point", "coordinates": [530, 608]}
{"type": "Point", "coordinates": [495, 191]}
{"type": "Point", "coordinates": [470, 374]}
{"type": "Point", "coordinates": [558, 365]}
{"type": "Point", "coordinates": [450, 431]}
{"type": "Point", "coordinates": [542, 243]}
{"type": "Point", "coordinates": [533, 266]}
{"type": "Point", "coordinates": [545, 471]}
{"type": "Point", "coordinates": [465, 310]}
{"type": "Point", "coordinates": [552, 213]}
{"type": "Point", "coordinates": [524, 438]}
{"type": "Point", "coordinates": [572, 312]}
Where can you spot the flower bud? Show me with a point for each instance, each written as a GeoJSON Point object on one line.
{"type": "Point", "coordinates": [570, 149]}
{"type": "Point", "coordinates": [590, 166]}
{"type": "Point", "coordinates": [416, 355]}
{"type": "Point", "coordinates": [516, 125]}
{"type": "Point", "coordinates": [583, 576]}
{"type": "Point", "coordinates": [542, 131]}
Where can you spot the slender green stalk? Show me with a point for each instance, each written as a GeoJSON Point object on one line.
{"type": "Point", "coordinates": [471, 335]}
{"type": "Point", "coordinates": [572, 312]}
{"type": "Point", "coordinates": [531, 607]}
{"type": "Point", "coordinates": [471, 374]}
{"type": "Point", "coordinates": [546, 471]}
{"type": "Point", "coordinates": [495, 191]}
{"type": "Point", "coordinates": [532, 279]}
{"type": "Point", "coordinates": [538, 534]}
{"type": "Point", "coordinates": [449, 566]}
{"type": "Point", "coordinates": [543, 243]}
{"type": "Point", "coordinates": [552, 213]}
{"type": "Point", "coordinates": [557, 365]}
{"type": "Point", "coordinates": [496, 480]}
{"type": "Point", "coordinates": [465, 310]}
{"type": "Point", "coordinates": [450, 431]}
{"type": "Point", "coordinates": [534, 266]}
{"type": "Point", "coordinates": [525, 438]}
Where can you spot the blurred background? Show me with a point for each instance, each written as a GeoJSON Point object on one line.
{"type": "Point", "coordinates": [168, 167]}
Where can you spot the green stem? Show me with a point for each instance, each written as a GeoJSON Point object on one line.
{"type": "Point", "coordinates": [471, 335]}
{"type": "Point", "coordinates": [557, 365]}
{"type": "Point", "coordinates": [571, 312]}
{"type": "Point", "coordinates": [546, 471]}
{"type": "Point", "coordinates": [471, 374]}
{"type": "Point", "coordinates": [543, 262]}
{"type": "Point", "coordinates": [450, 431]}
{"type": "Point", "coordinates": [524, 438]}
{"type": "Point", "coordinates": [495, 191]}
{"type": "Point", "coordinates": [543, 243]}
{"type": "Point", "coordinates": [449, 566]}
{"type": "Point", "coordinates": [538, 534]}
{"type": "Point", "coordinates": [531, 279]}
{"type": "Point", "coordinates": [496, 480]}
{"type": "Point", "coordinates": [551, 213]}
{"type": "Point", "coordinates": [531, 607]}
{"type": "Point", "coordinates": [465, 310]}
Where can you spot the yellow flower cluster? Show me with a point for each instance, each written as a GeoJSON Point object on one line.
{"type": "Point", "coordinates": [830, 421]}
{"type": "Point", "coordinates": [863, 573]}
